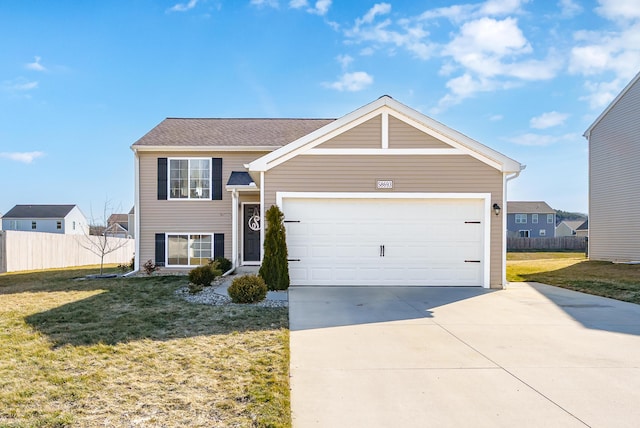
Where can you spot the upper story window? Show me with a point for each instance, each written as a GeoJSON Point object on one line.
{"type": "Point", "coordinates": [34, 226]}
{"type": "Point", "coordinates": [58, 225]}
{"type": "Point", "coordinates": [190, 178]}
{"type": "Point", "coordinates": [550, 218]}
{"type": "Point", "coordinates": [13, 224]}
{"type": "Point", "coordinates": [521, 218]}
{"type": "Point", "coordinates": [534, 218]}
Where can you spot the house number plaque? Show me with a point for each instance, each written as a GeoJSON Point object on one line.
{"type": "Point", "coordinates": [384, 184]}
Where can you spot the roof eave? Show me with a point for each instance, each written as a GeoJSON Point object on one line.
{"type": "Point", "coordinates": [212, 148]}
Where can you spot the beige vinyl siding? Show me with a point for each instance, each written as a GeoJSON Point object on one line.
{"type": "Point", "coordinates": [404, 136]}
{"type": "Point", "coordinates": [195, 216]}
{"type": "Point", "coordinates": [428, 174]}
{"type": "Point", "coordinates": [367, 135]}
{"type": "Point", "coordinates": [614, 195]}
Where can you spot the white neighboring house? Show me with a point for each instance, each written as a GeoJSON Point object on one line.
{"type": "Point", "coordinates": [568, 227]}
{"type": "Point", "coordinates": [63, 219]}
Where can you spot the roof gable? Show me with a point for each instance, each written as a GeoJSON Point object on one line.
{"type": "Point", "coordinates": [387, 107]}
{"type": "Point", "coordinates": [611, 105]}
{"type": "Point", "coordinates": [39, 211]}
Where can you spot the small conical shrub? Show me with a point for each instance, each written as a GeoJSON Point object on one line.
{"type": "Point", "coordinates": [275, 267]}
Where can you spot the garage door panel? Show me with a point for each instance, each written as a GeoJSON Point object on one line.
{"type": "Point", "coordinates": [425, 241]}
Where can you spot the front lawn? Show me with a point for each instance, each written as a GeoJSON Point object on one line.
{"type": "Point", "coordinates": [128, 352]}
{"type": "Point", "coordinates": [574, 271]}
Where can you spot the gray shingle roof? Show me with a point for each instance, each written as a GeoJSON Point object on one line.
{"type": "Point", "coordinates": [229, 132]}
{"type": "Point", "coordinates": [584, 226]}
{"type": "Point", "coordinates": [239, 178]}
{"type": "Point", "coordinates": [39, 211]}
{"type": "Point", "coordinates": [526, 207]}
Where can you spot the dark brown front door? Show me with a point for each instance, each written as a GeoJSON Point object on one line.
{"type": "Point", "coordinates": [251, 228]}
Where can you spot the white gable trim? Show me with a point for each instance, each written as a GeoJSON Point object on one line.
{"type": "Point", "coordinates": [386, 106]}
{"type": "Point", "coordinates": [383, 151]}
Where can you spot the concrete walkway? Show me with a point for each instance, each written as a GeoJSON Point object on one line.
{"type": "Point", "coordinates": [529, 356]}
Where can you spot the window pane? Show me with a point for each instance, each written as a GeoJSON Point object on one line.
{"type": "Point", "coordinates": [200, 249]}
{"type": "Point", "coordinates": [178, 250]}
{"type": "Point", "coordinates": [179, 178]}
{"type": "Point", "coordinates": [200, 178]}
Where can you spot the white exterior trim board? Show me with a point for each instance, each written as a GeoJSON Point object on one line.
{"type": "Point", "coordinates": [383, 151]}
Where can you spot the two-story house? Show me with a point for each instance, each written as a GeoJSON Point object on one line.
{"type": "Point", "coordinates": [381, 196]}
{"type": "Point", "coordinates": [614, 178]}
{"type": "Point", "coordinates": [65, 219]}
{"type": "Point", "coordinates": [530, 219]}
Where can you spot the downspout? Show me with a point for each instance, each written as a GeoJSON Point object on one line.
{"type": "Point", "coordinates": [262, 219]}
{"type": "Point", "coordinates": [504, 222]}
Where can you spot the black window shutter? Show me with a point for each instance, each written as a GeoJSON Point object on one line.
{"type": "Point", "coordinates": [162, 178]}
{"type": "Point", "coordinates": [218, 245]}
{"type": "Point", "coordinates": [216, 179]}
{"type": "Point", "coordinates": [160, 249]}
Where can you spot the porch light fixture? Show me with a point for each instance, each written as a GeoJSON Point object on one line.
{"type": "Point", "coordinates": [496, 209]}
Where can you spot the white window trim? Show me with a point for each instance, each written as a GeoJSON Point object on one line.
{"type": "Point", "coordinates": [169, 198]}
{"type": "Point", "coordinates": [550, 219]}
{"type": "Point", "coordinates": [521, 222]}
{"type": "Point", "coordinates": [166, 247]}
{"type": "Point", "coordinates": [534, 218]}
{"type": "Point", "coordinates": [542, 232]}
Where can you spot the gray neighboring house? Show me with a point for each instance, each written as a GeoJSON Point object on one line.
{"type": "Point", "coordinates": [614, 178]}
{"type": "Point", "coordinates": [62, 219]}
{"type": "Point", "coordinates": [534, 219]}
{"type": "Point", "coordinates": [583, 229]}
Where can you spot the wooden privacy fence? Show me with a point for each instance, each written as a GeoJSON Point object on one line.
{"type": "Point", "coordinates": [37, 250]}
{"type": "Point", "coordinates": [574, 243]}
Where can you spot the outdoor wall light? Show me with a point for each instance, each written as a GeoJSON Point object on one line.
{"type": "Point", "coordinates": [496, 209]}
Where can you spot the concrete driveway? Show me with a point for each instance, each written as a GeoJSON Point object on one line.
{"type": "Point", "coordinates": [528, 356]}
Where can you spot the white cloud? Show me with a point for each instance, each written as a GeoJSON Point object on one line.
{"type": "Point", "coordinates": [344, 60]}
{"type": "Point", "coordinates": [569, 8]}
{"type": "Point", "coordinates": [19, 85]}
{"type": "Point", "coordinates": [600, 94]}
{"type": "Point", "coordinates": [548, 120]}
{"type": "Point", "coordinates": [25, 157]}
{"type": "Point", "coordinates": [298, 4]}
{"type": "Point", "coordinates": [496, 117]}
{"type": "Point", "coordinates": [183, 7]}
{"type": "Point", "coordinates": [261, 3]}
{"type": "Point", "coordinates": [321, 7]}
{"type": "Point", "coordinates": [35, 65]}
{"type": "Point", "coordinates": [351, 82]}
{"type": "Point", "coordinates": [502, 7]}
{"type": "Point", "coordinates": [408, 35]}
{"type": "Point", "coordinates": [530, 139]}
{"type": "Point", "coordinates": [619, 9]}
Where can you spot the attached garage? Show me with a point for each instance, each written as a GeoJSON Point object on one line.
{"type": "Point", "coordinates": [386, 196]}
{"type": "Point", "coordinates": [397, 239]}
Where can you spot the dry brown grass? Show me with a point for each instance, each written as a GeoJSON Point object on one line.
{"type": "Point", "coordinates": [574, 271]}
{"type": "Point", "coordinates": [127, 352]}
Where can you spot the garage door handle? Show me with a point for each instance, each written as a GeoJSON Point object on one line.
{"type": "Point", "coordinates": [293, 260]}
{"type": "Point", "coordinates": [472, 222]}
{"type": "Point", "coordinates": [472, 261]}
{"type": "Point", "coordinates": [381, 250]}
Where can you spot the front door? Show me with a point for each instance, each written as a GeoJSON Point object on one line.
{"type": "Point", "coordinates": [251, 231]}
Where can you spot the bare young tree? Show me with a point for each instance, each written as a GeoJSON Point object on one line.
{"type": "Point", "coordinates": [97, 237]}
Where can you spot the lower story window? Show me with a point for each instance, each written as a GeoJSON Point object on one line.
{"type": "Point", "coordinates": [543, 232]}
{"type": "Point", "coordinates": [523, 233]}
{"type": "Point", "coordinates": [189, 250]}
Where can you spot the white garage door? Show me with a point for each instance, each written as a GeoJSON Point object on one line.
{"type": "Point", "coordinates": [436, 242]}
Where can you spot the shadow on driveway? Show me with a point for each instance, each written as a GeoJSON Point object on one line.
{"type": "Point", "coordinates": [321, 307]}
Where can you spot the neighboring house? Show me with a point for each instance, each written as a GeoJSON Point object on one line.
{"type": "Point", "coordinates": [614, 177]}
{"type": "Point", "coordinates": [530, 219]}
{"type": "Point", "coordinates": [583, 229]}
{"type": "Point", "coordinates": [568, 227]}
{"type": "Point", "coordinates": [131, 222]}
{"type": "Point", "coordinates": [382, 196]}
{"type": "Point", "coordinates": [65, 219]}
{"type": "Point", "coordinates": [118, 226]}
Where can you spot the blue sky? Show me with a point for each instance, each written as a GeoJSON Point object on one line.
{"type": "Point", "coordinates": [81, 81]}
